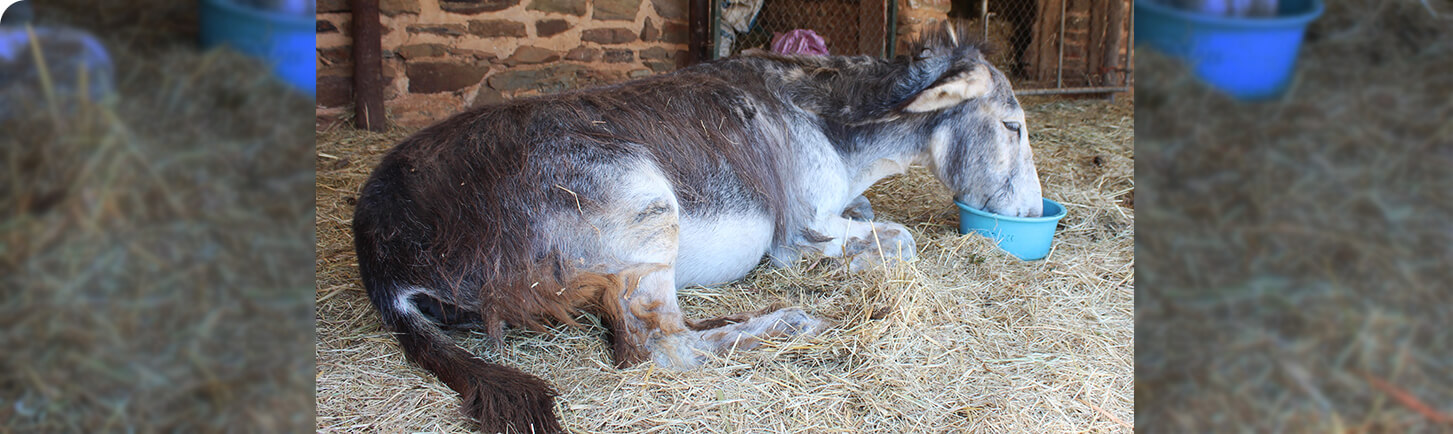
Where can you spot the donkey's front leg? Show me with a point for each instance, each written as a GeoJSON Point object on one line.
{"type": "Point", "coordinates": [863, 244]}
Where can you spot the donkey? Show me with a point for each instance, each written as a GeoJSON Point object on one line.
{"type": "Point", "coordinates": [608, 200]}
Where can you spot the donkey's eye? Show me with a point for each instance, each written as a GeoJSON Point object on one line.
{"type": "Point", "coordinates": [1012, 126]}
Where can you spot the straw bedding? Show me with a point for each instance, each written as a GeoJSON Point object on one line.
{"type": "Point", "coordinates": [150, 246]}
{"type": "Point", "coordinates": [1296, 251]}
{"type": "Point", "coordinates": [964, 339]}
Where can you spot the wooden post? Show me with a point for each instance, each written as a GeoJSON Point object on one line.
{"type": "Point", "coordinates": [1099, 15]}
{"type": "Point", "coordinates": [367, 67]}
{"type": "Point", "coordinates": [1113, 38]}
{"type": "Point", "coordinates": [1046, 39]}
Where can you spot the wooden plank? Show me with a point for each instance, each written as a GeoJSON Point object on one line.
{"type": "Point", "coordinates": [1113, 41]}
{"type": "Point", "coordinates": [367, 67]}
{"type": "Point", "coordinates": [1095, 42]}
{"type": "Point", "coordinates": [1045, 46]}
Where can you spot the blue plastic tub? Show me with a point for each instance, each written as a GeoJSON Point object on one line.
{"type": "Point", "coordinates": [1248, 58]}
{"type": "Point", "coordinates": [285, 41]}
{"type": "Point", "coordinates": [1026, 238]}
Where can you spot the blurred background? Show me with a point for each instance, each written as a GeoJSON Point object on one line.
{"type": "Point", "coordinates": [156, 226]}
{"type": "Point", "coordinates": [1294, 253]}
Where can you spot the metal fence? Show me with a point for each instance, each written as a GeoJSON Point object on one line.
{"type": "Point", "coordinates": [849, 27]}
{"type": "Point", "coordinates": [1056, 46]}
{"type": "Point", "coordinates": [1046, 46]}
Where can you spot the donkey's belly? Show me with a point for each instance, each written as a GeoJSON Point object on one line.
{"type": "Point", "coordinates": [720, 249]}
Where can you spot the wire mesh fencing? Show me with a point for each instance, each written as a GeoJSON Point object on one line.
{"type": "Point", "coordinates": [846, 27]}
{"type": "Point", "coordinates": [1055, 46]}
{"type": "Point", "coordinates": [1045, 46]}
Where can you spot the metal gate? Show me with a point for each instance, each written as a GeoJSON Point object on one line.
{"type": "Point", "coordinates": [1045, 46]}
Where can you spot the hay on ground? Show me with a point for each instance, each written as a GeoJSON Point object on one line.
{"type": "Point", "coordinates": [150, 246]}
{"type": "Point", "coordinates": [1296, 251]}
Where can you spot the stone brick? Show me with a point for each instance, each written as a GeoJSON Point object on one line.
{"type": "Point", "coordinates": [676, 33]}
{"type": "Point", "coordinates": [661, 66]}
{"type": "Point", "coordinates": [616, 10]}
{"type": "Point", "coordinates": [341, 55]}
{"type": "Point", "coordinates": [530, 54]}
{"type": "Point", "coordinates": [497, 28]}
{"type": "Point", "coordinates": [649, 33]}
{"type": "Point", "coordinates": [568, 7]}
{"type": "Point", "coordinates": [434, 77]}
{"type": "Point", "coordinates": [583, 54]}
{"type": "Point", "coordinates": [438, 29]}
{"type": "Point", "coordinates": [325, 26]}
{"type": "Point", "coordinates": [552, 78]}
{"type": "Point", "coordinates": [477, 54]}
{"type": "Point", "coordinates": [613, 55]}
{"type": "Point", "coordinates": [396, 7]}
{"type": "Point", "coordinates": [335, 87]}
{"type": "Point", "coordinates": [608, 36]}
{"type": "Point", "coordinates": [671, 9]}
{"type": "Point", "coordinates": [655, 53]}
{"type": "Point", "coordinates": [475, 7]}
{"type": "Point", "coordinates": [410, 52]}
{"type": "Point", "coordinates": [597, 77]}
{"type": "Point", "coordinates": [547, 28]}
{"type": "Point", "coordinates": [329, 6]}
{"type": "Point", "coordinates": [638, 73]}
{"type": "Point", "coordinates": [416, 111]}
{"type": "Point", "coordinates": [487, 96]}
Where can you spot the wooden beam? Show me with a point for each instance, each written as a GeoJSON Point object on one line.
{"type": "Point", "coordinates": [367, 66]}
{"type": "Point", "coordinates": [1114, 38]}
{"type": "Point", "coordinates": [1095, 42]}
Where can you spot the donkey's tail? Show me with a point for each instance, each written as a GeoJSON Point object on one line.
{"type": "Point", "coordinates": [387, 234]}
{"type": "Point", "coordinates": [501, 398]}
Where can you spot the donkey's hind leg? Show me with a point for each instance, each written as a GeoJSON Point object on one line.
{"type": "Point", "coordinates": [652, 323]}
{"type": "Point", "coordinates": [639, 224]}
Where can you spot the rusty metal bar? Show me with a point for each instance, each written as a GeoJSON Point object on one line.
{"type": "Point", "coordinates": [984, 16]}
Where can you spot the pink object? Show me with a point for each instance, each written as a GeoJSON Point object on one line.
{"type": "Point", "coordinates": [800, 42]}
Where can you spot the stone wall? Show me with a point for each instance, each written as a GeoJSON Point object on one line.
{"type": "Point", "coordinates": [442, 56]}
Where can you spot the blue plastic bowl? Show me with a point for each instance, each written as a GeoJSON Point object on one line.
{"type": "Point", "coordinates": [1248, 58]}
{"type": "Point", "coordinates": [285, 41]}
{"type": "Point", "coordinates": [1027, 238]}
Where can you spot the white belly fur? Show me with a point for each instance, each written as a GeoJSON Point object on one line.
{"type": "Point", "coordinates": [720, 249]}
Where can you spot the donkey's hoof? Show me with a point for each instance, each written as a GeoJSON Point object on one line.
{"type": "Point", "coordinates": [795, 322]}
{"type": "Point", "coordinates": [894, 244]}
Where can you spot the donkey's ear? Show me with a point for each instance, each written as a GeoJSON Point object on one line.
{"type": "Point", "coordinates": [952, 89]}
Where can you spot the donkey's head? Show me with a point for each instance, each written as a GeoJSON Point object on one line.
{"type": "Point", "coordinates": [978, 144]}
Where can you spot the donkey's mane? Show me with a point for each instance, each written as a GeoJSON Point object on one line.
{"type": "Point", "coordinates": [938, 39]}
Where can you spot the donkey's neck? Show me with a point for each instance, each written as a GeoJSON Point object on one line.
{"type": "Point", "coordinates": [883, 149]}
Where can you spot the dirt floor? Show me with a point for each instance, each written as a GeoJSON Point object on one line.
{"type": "Point", "coordinates": [154, 247]}
{"type": "Point", "coordinates": [966, 339]}
{"type": "Point", "coordinates": [1295, 273]}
